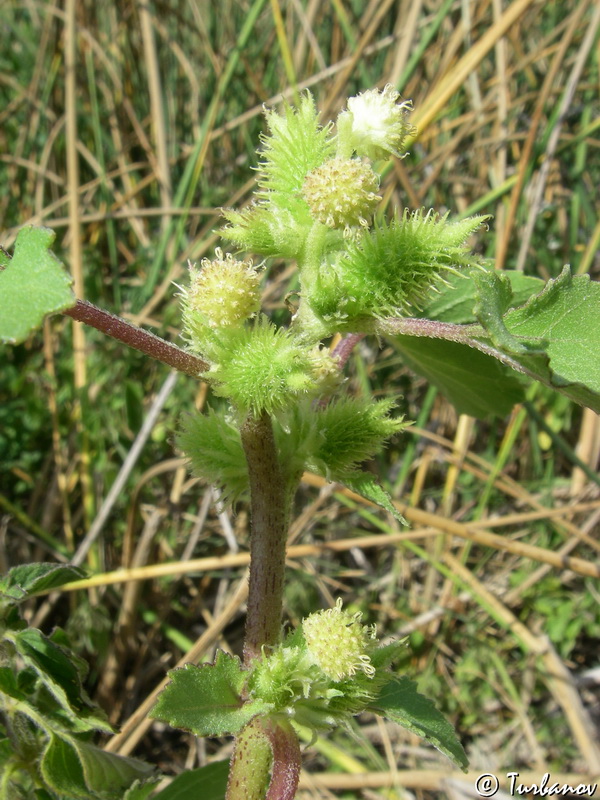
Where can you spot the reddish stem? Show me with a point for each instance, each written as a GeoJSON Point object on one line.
{"type": "Point", "coordinates": [451, 332]}
{"type": "Point", "coordinates": [287, 761]}
{"type": "Point", "coordinates": [345, 346]}
{"type": "Point", "coordinates": [138, 338]}
{"type": "Point", "coordinates": [269, 517]}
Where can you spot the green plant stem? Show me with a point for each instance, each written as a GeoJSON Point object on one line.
{"type": "Point", "coordinates": [138, 338]}
{"type": "Point", "coordinates": [250, 764]}
{"type": "Point", "coordinates": [265, 746]}
{"type": "Point", "coordinates": [269, 502]}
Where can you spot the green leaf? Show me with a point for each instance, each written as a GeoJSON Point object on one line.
{"type": "Point", "coordinates": [77, 769]}
{"type": "Point", "coordinates": [209, 783]}
{"type": "Point", "coordinates": [53, 666]}
{"type": "Point", "coordinates": [455, 301]}
{"type": "Point", "coordinates": [400, 701]}
{"type": "Point", "coordinates": [107, 774]}
{"type": "Point", "coordinates": [494, 295]}
{"type": "Point", "coordinates": [553, 334]}
{"type": "Point", "coordinates": [366, 486]}
{"type": "Point", "coordinates": [60, 672]}
{"type": "Point", "coordinates": [9, 685]}
{"type": "Point", "coordinates": [33, 284]}
{"type": "Point", "coordinates": [475, 383]}
{"type": "Point", "coordinates": [140, 790]}
{"type": "Point", "coordinates": [62, 770]}
{"type": "Point", "coordinates": [207, 700]}
{"type": "Point", "coordinates": [21, 582]}
{"type": "Point", "coordinates": [564, 319]}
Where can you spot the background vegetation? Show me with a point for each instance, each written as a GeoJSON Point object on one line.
{"type": "Point", "coordinates": [125, 126]}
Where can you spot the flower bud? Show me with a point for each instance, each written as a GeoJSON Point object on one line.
{"type": "Point", "coordinates": [341, 193]}
{"type": "Point", "coordinates": [225, 292]}
{"type": "Point", "coordinates": [378, 123]}
{"type": "Point", "coordinates": [325, 370]}
{"type": "Point", "coordinates": [338, 643]}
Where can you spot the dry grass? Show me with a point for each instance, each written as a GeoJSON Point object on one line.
{"type": "Point", "coordinates": [125, 126]}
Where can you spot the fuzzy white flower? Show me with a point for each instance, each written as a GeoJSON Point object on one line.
{"type": "Point", "coordinates": [378, 122]}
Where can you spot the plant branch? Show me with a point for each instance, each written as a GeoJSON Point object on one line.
{"type": "Point", "coordinates": [345, 346]}
{"type": "Point", "coordinates": [250, 763]}
{"type": "Point", "coordinates": [137, 338]}
{"type": "Point", "coordinates": [269, 501]}
{"type": "Point", "coordinates": [451, 332]}
{"type": "Point", "coordinates": [287, 761]}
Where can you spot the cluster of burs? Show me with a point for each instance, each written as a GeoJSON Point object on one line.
{"type": "Point", "coordinates": [315, 204]}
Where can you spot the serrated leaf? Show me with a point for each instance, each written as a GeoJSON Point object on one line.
{"type": "Point", "coordinates": [366, 486]}
{"type": "Point", "coordinates": [209, 783]}
{"type": "Point", "coordinates": [476, 384]}
{"type": "Point", "coordinates": [206, 700]}
{"type": "Point", "coordinates": [76, 769]}
{"type": "Point", "coordinates": [494, 295]}
{"type": "Point", "coordinates": [33, 284]}
{"type": "Point", "coordinates": [565, 319]}
{"type": "Point", "coordinates": [22, 581]}
{"type": "Point", "coordinates": [400, 701]}
{"type": "Point", "coordinates": [455, 301]}
{"type": "Point", "coordinates": [59, 672]}
{"type": "Point", "coordinates": [554, 336]}
{"type": "Point", "coordinates": [52, 665]}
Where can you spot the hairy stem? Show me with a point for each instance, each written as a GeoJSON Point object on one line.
{"type": "Point", "coordinates": [250, 763]}
{"type": "Point", "coordinates": [138, 338]}
{"type": "Point", "coordinates": [287, 761]}
{"type": "Point", "coordinates": [451, 332]}
{"type": "Point", "coordinates": [344, 348]}
{"type": "Point", "coordinates": [269, 502]}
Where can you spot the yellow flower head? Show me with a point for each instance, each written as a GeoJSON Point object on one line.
{"type": "Point", "coordinates": [338, 643]}
{"type": "Point", "coordinates": [342, 193]}
{"type": "Point", "coordinates": [225, 291]}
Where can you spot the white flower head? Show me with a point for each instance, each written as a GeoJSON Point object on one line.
{"type": "Point", "coordinates": [379, 125]}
